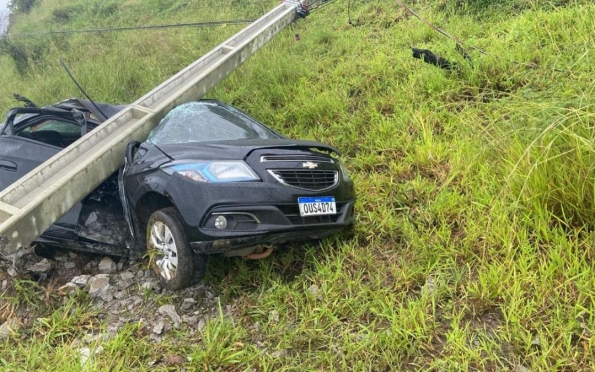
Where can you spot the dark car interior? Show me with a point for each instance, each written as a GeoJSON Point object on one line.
{"type": "Point", "coordinates": [50, 137]}
{"type": "Point", "coordinates": [52, 132]}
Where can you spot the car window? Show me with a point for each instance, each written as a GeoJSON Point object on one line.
{"type": "Point", "coordinates": [61, 127]}
{"type": "Point", "coordinates": [52, 132]}
{"type": "Point", "coordinates": [206, 121]}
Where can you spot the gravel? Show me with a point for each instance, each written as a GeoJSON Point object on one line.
{"type": "Point", "coordinates": [121, 293]}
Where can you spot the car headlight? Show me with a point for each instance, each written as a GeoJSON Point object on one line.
{"type": "Point", "coordinates": [215, 171]}
{"type": "Point", "coordinates": [344, 172]}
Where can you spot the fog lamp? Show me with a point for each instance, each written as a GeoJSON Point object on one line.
{"type": "Point", "coordinates": [220, 222]}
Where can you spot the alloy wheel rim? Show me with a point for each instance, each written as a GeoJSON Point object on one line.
{"type": "Point", "coordinates": [163, 240]}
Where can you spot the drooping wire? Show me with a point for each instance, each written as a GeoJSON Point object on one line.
{"type": "Point", "coordinates": [81, 89]}
{"type": "Point", "coordinates": [320, 5]}
{"type": "Point", "coordinates": [460, 44]}
{"type": "Point", "coordinates": [439, 30]}
{"type": "Point", "coordinates": [231, 3]}
{"type": "Point", "coordinates": [324, 3]}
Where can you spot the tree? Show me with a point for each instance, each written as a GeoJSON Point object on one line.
{"type": "Point", "coordinates": [21, 6]}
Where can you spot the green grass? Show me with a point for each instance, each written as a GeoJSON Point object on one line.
{"type": "Point", "coordinates": [475, 221]}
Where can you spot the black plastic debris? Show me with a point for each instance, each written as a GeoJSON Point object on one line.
{"type": "Point", "coordinates": [428, 56]}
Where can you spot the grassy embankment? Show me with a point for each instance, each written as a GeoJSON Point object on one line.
{"type": "Point", "coordinates": [474, 243]}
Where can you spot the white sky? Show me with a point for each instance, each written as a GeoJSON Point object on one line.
{"type": "Point", "coordinates": [3, 14]}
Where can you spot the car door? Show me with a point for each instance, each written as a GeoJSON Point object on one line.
{"type": "Point", "coordinates": [28, 140]}
{"type": "Point", "coordinates": [18, 156]}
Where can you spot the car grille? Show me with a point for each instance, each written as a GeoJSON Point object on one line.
{"type": "Point", "coordinates": [307, 179]}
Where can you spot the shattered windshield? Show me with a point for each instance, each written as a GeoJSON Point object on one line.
{"type": "Point", "coordinates": [206, 121]}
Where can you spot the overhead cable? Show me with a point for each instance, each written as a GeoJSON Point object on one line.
{"type": "Point", "coordinates": [148, 27]}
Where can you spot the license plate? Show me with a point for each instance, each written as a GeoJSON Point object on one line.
{"type": "Point", "coordinates": [317, 206]}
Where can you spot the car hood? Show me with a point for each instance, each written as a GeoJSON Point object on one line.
{"type": "Point", "coordinates": [236, 149]}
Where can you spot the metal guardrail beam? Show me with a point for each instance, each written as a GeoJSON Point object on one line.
{"type": "Point", "coordinates": [33, 203]}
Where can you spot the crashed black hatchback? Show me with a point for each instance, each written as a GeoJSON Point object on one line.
{"type": "Point", "coordinates": [208, 179]}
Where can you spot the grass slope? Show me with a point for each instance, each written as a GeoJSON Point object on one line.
{"type": "Point", "coordinates": [474, 243]}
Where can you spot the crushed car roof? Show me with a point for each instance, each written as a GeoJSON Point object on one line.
{"type": "Point", "coordinates": [96, 109]}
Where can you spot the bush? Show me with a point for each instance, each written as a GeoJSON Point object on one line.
{"type": "Point", "coordinates": [17, 52]}
{"type": "Point", "coordinates": [21, 6]}
{"type": "Point", "coordinates": [61, 15]}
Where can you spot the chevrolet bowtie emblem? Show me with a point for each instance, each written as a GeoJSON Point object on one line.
{"type": "Point", "coordinates": [310, 165]}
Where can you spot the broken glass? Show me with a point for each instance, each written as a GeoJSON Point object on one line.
{"type": "Point", "coordinates": [206, 121]}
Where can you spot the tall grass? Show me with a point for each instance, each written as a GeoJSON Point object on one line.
{"type": "Point", "coordinates": [474, 243]}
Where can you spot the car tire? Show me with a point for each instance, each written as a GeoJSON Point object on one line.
{"type": "Point", "coordinates": [171, 257]}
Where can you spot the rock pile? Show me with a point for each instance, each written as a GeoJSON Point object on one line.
{"type": "Point", "coordinates": [121, 290]}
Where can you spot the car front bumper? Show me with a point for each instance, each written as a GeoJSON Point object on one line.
{"type": "Point", "coordinates": [305, 228]}
{"type": "Point", "coordinates": [256, 213]}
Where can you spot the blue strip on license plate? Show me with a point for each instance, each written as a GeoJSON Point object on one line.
{"type": "Point", "coordinates": [319, 199]}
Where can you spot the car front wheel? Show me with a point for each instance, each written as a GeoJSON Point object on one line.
{"type": "Point", "coordinates": [170, 254]}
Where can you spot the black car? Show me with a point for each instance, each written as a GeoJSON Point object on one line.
{"type": "Point", "coordinates": [208, 179]}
